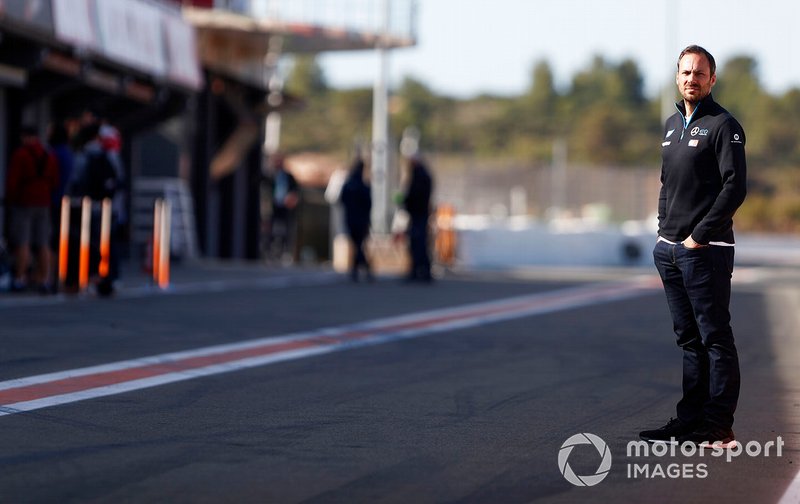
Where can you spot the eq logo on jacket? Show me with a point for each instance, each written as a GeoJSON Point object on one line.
{"type": "Point", "coordinates": [697, 131]}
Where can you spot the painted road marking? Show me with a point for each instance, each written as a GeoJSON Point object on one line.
{"type": "Point", "coordinates": [792, 494]}
{"type": "Point", "coordinates": [52, 389]}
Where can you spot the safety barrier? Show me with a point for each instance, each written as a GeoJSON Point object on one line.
{"type": "Point", "coordinates": [84, 241]}
{"type": "Point", "coordinates": [162, 226]}
{"type": "Point", "coordinates": [161, 240]}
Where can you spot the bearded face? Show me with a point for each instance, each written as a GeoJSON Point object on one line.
{"type": "Point", "coordinates": [694, 77]}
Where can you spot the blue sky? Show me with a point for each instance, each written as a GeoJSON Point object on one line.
{"type": "Point", "coordinates": [492, 45]}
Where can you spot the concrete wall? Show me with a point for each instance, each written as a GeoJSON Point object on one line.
{"type": "Point", "coordinates": [483, 242]}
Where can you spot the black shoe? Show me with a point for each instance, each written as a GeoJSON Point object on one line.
{"type": "Point", "coordinates": [670, 433]}
{"type": "Point", "coordinates": [710, 436]}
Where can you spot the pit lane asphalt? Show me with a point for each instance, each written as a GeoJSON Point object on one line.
{"type": "Point", "coordinates": [471, 415]}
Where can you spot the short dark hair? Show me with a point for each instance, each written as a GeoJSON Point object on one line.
{"type": "Point", "coordinates": [29, 130]}
{"type": "Point", "coordinates": [696, 49]}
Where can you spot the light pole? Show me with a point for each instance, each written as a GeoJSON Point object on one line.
{"type": "Point", "coordinates": [670, 41]}
{"type": "Point", "coordinates": [380, 130]}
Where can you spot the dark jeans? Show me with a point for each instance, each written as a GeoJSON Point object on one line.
{"type": "Point", "coordinates": [418, 241]}
{"type": "Point", "coordinates": [698, 287]}
{"type": "Point", "coordinates": [359, 257]}
{"type": "Point", "coordinates": [280, 232]}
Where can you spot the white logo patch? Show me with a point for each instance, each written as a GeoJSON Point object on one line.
{"type": "Point", "coordinates": [693, 143]}
{"type": "Point", "coordinates": [669, 133]}
{"type": "Point", "coordinates": [736, 139]}
{"type": "Point", "coordinates": [664, 144]}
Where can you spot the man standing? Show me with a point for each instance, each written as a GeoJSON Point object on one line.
{"type": "Point", "coordinates": [31, 180]}
{"type": "Point", "coordinates": [417, 202]}
{"type": "Point", "coordinates": [703, 177]}
{"type": "Point", "coordinates": [285, 197]}
{"type": "Point", "coordinates": [356, 197]}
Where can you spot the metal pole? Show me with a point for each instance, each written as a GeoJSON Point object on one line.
{"type": "Point", "coordinates": [63, 242]}
{"type": "Point", "coordinates": [274, 82]}
{"type": "Point", "coordinates": [670, 41]}
{"type": "Point", "coordinates": [380, 132]}
{"type": "Point", "coordinates": [157, 211]}
{"type": "Point", "coordinates": [104, 268]}
{"type": "Point", "coordinates": [165, 241]}
{"type": "Point", "coordinates": [86, 229]}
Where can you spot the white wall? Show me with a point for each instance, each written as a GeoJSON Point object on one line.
{"type": "Point", "coordinates": [519, 242]}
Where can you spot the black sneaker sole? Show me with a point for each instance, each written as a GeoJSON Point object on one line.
{"type": "Point", "coordinates": [671, 441]}
{"type": "Point", "coordinates": [725, 444]}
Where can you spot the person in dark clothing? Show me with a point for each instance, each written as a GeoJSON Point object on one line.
{"type": "Point", "coordinates": [31, 180]}
{"type": "Point", "coordinates": [417, 202]}
{"type": "Point", "coordinates": [356, 197]}
{"type": "Point", "coordinates": [94, 176]}
{"type": "Point", "coordinates": [93, 172]}
{"type": "Point", "coordinates": [285, 197]}
{"type": "Point", "coordinates": [703, 178]}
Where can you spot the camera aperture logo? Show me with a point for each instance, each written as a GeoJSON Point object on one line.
{"type": "Point", "coordinates": [583, 439]}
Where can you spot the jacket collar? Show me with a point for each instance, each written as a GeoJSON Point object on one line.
{"type": "Point", "coordinates": [700, 110]}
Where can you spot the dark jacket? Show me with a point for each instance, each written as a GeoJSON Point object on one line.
{"type": "Point", "coordinates": [417, 200]}
{"type": "Point", "coordinates": [93, 174]}
{"type": "Point", "coordinates": [356, 197]}
{"type": "Point", "coordinates": [703, 175]}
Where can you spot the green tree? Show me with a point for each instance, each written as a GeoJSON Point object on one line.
{"type": "Point", "coordinates": [415, 105]}
{"type": "Point", "coordinates": [306, 78]}
{"type": "Point", "coordinates": [540, 102]}
{"type": "Point", "coordinates": [609, 119]}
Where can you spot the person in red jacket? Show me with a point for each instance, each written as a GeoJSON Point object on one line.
{"type": "Point", "coordinates": [32, 178]}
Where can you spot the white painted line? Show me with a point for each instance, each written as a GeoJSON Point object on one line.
{"type": "Point", "coordinates": [792, 494]}
{"type": "Point", "coordinates": [52, 389]}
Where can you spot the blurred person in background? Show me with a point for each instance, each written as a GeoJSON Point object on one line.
{"type": "Point", "coordinates": [417, 202]}
{"type": "Point", "coordinates": [356, 197]}
{"type": "Point", "coordinates": [703, 177]}
{"type": "Point", "coordinates": [111, 141]}
{"type": "Point", "coordinates": [285, 197]}
{"type": "Point", "coordinates": [58, 140]}
{"type": "Point", "coordinates": [95, 176]}
{"type": "Point", "coordinates": [31, 181]}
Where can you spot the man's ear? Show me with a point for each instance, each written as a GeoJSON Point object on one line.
{"type": "Point", "coordinates": [713, 80]}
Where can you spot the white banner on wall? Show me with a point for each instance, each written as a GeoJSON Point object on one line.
{"type": "Point", "coordinates": [131, 33]}
{"type": "Point", "coordinates": [139, 34]}
{"type": "Point", "coordinates": [182, 52]}
{"type": "Point", "coordinates": [73, 22]}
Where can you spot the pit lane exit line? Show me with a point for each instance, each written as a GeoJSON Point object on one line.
{"type": "Point", "coordinates": [64, 387]}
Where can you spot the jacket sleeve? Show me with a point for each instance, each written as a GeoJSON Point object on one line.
{"type": "Point", "coordinates": [662, 199]}
{"type": "Point", "coordinates": [729, 148]}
